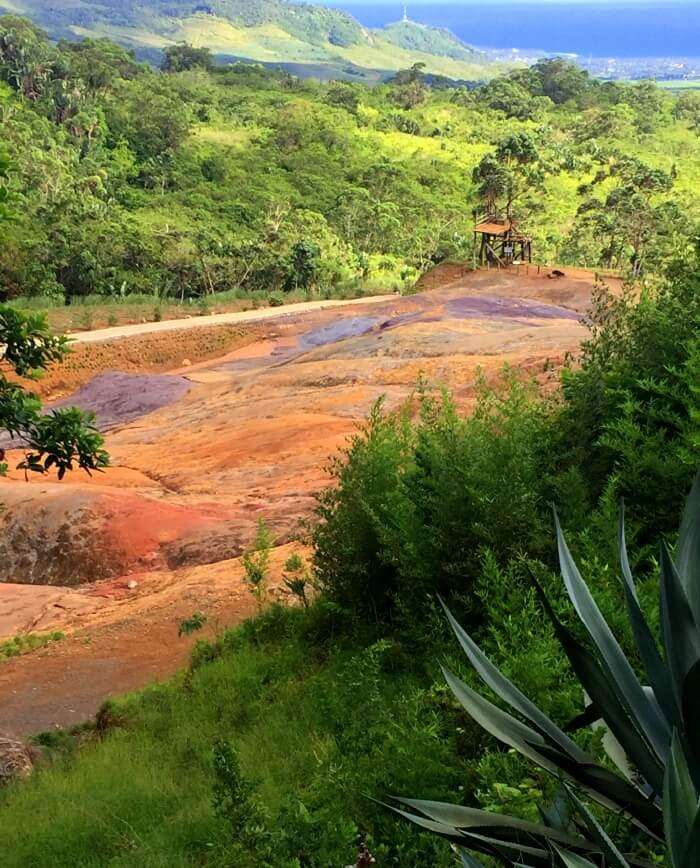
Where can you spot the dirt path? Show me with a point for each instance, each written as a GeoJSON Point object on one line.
{"type": "Point", "coordinates": [235, 318]}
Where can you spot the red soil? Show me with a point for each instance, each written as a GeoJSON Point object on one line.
{"type": "Point", "coordinates": [250, 438]}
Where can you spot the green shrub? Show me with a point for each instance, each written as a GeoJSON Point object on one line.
{"type": "Point", "coordinates": [415, 501]}
{"type": "Point", "coordinates": [23, 643]}
{"type": "Point", "coordinates": [649, 729]}
{"type": "Point", "coordinates": [631, 408]}
{"type": "Point", "coordinates": [235, 802]}
{"type": "Point", "coordinates": [256, 563]}
{"type": "Point", "coordinates": [297, 578]}
{"type": "Point", "coordinates": [192, 624]}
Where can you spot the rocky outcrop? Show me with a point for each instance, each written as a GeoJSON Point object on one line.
{"type": "Point", "coordinates": [16, 759]}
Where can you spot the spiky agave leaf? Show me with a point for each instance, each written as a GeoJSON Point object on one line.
{"type": "Point", "coordinates": [656, 669]}
{"type": "Point", "coordinates": [618, 719]}
{"type": "Point", "coordinates": [682, 814]}
{"type": "Point", "coordinates": [688, 549]}
{"type": "Point", "coordinates": [508, 852]}
{"type": "Point", "coordinates": [613, 857]}
{"type": "Point", "coordinates": [572, 860]}
{"type": "Point", "coordinates": [681, 632]}
{"type": "Point", "coordinates": [651, 726]}
{"type": "Point", "coordinates": [486, 822]}
{"type": "Point", "coordinates": [557, 815]}
{"type": "Point", "coordinates": [507, 691]}
{"type": "Point", "coordinates": [512, 840]}
{"type": "Point", "coordinates": [691, 714]}
{"type": "Point", "coordinates": [639, 718]}
{"type": "Point", "coordinates": [540, 745]}
{"type": "Point", "coordinates": [467, 860]}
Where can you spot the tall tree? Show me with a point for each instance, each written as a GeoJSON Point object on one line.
{"type": "Point", "coordinates": [182, 56]}
{"type": "Point", "coordinates": [502, 177]}
{"type": "Point", "coordinates": [63, 438]}
{"type": "Point", "coordinates": [632, 215]}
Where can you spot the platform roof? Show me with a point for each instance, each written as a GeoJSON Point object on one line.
{"type": "Point", "coordinates": [490, 228]}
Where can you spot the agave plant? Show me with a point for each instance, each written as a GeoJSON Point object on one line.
{"type": "Point", "coordinates": [652, 731]}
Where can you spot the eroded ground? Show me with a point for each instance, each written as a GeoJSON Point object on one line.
{"type": "Point", "coordinates": [200, 455]}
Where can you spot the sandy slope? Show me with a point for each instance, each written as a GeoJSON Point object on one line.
{"type": "Point", "coordinates": [250, 437]}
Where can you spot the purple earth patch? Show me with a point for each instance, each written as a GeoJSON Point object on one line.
{"type": "Point", "coordinates": [498, 306]}
{"type": "Point", "coordinates": [348, 327]}
{"type": "Point", "coordinates": [116, 398]}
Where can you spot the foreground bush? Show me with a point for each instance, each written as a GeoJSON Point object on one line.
{"type": "Point", "coordinates": [631, 408]}
{"type": "Point", "coordinates": [416, 501]}
{"type": "Point", "coordinates": [418, 496]}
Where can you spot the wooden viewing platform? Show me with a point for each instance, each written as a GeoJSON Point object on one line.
{"type": "Point", "coordinates": [498, 241]}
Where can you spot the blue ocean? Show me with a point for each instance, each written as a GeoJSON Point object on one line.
{"type": "Point", "coordinates": [600, 28]}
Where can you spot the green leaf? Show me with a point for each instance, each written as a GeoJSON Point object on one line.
{"type": "Point", "coordinates": [557, 815]}
{"type": "Point", "coordinates": [572, 860]}
{"type": "Point", "coordinates": [607, 700]}
{"type": "Point", "coordinates": [688, 548]}
{"type": "Point", "coordinates": [612, 855]}
{"type": "Point", "coordinates": [692, 848]}
{"type": "Point", "coordinates": [509, 693]}
{"type": "Point", "coordinates": [680, 630]}
{"type": "Point", "coordinates": [651, 724]}
{"type": "Point", "coordinates": [691, 711]}
{"type": "Point", "coordinates": [657, 671]}
{"type": "Point", "coordinates": [462, 817]}
{"type": "Point", "coordinates": [680, 804]}
{"type": "Point", "coordinates": [588, 717]}
{"type": "Point", "coordinates": [603, 785]}
{"type": "Point", "coordinates": [506, 851]}
{"type": "Point", "coordinates": [467, 860]}
{"type": "Point", "coordinates": [498, 723]}
{"type": "Point", "coordinates": [611, 791]}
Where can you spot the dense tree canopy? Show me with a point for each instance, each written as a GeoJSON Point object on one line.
{"type": "Point", "coordinates": [178, 58]}
{"type": "Point", "coordinates": [202, 179]}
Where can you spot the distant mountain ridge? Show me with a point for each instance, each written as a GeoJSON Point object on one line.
{"type": "Point", "coordinates": [271, 31]}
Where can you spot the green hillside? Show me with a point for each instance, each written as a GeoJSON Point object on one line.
{"type": "Point", "coordinates": [429, 40]}
{"type": "Point", "coordinates": [150, 175]}
{"type": "Point", "coordinates": [269, 31]}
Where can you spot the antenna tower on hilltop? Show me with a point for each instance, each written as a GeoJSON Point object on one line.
{"type": "Point", "coordinates": [405, 14]}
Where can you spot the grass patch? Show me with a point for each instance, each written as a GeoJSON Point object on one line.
{"type": "Point", "coordinates": [99, 311]}
{"type": "Point", "coordinates": [23, 643]}
{"type": "Point", "coordinates": [319, 724]}
{"type": "Point", "coordinates": [680, 84]}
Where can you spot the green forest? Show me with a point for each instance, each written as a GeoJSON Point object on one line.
{"type": "Point", "coordinates": [304, 737]}
{"type": "Point", "coordinates": [198, 180]}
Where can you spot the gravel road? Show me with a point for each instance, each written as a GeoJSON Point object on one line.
{"type": "Point", "coordinates": [243, 316]}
